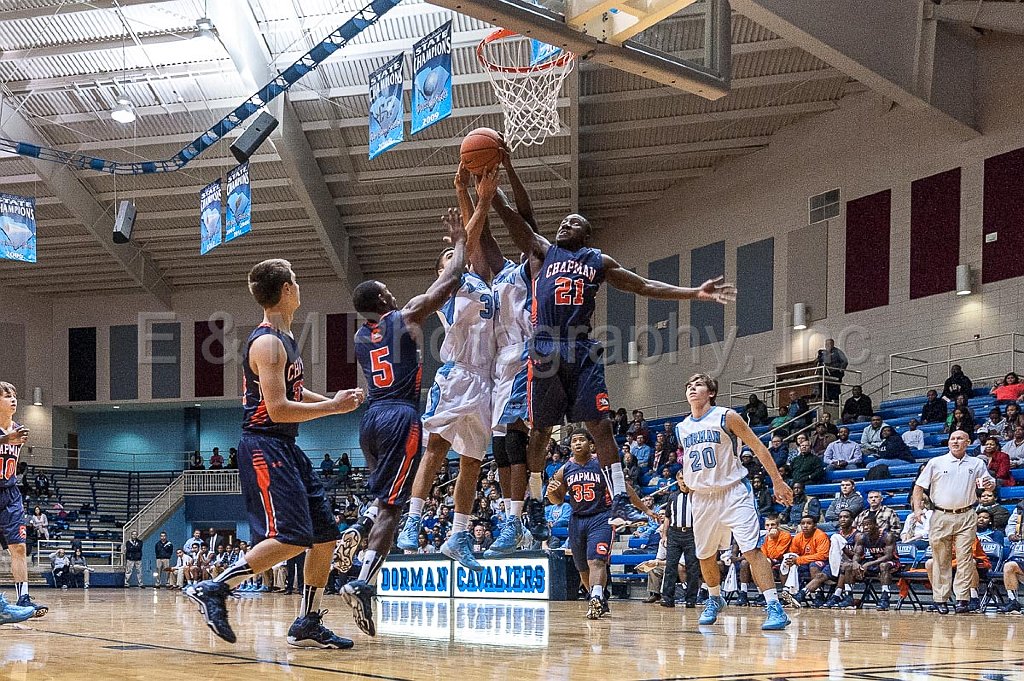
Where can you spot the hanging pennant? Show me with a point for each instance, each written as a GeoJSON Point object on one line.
{"type": "Point", "coordinates": [387, 111]}
{"type": "Point", "coordinates": [432, 79]}
{"type": "Point", "coordinates": [209, 217]}
{"type": "Point", "coordinates": [17, 228]}
{"type": "Point", "coordinates": [238, 219]}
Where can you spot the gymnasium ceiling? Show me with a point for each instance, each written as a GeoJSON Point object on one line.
{"type": "Point", "coordinates": [625, 140]}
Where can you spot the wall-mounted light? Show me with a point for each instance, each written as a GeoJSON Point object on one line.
{"type": "Point", "coordinates": [123, 112]}
{"type": "Point", "coordinates": [204, 30]}
{"type": "Point", "coordinates": [799, 316]}
{"type": "Point", "coordinates": [963, 280]}
{"type": "Point", "coordinates": [37, 396]}
{"type": "Point", "coordinates": [631, 353]}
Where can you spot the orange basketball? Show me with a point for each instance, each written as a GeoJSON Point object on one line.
{"type": "Point", "coordinates": [481, 150]}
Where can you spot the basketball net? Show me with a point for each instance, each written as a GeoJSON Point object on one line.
{"type": "Point", "coordinates": [526, 79]}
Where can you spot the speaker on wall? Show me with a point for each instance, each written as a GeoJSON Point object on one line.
{"type": "Point", "coordinates": [256, 134]}
{"type": "Point", "coordinates": [124, 222]}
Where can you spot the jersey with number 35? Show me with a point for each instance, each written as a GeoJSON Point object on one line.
{"type": "Point", "coordinates": [468, 321]}
{"type": "Point", "coordinates": [388, 353]}
{"type": "Point", "coordinates": [711, 454]}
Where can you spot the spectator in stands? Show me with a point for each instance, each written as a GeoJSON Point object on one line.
{"type": "Point", "coordinates": [915, 531]}
{"type": "Point", "coordinates": [620, 425]}
{"type": "Point", "coordinates": [808, 555]}
{"type": "Point", "coordinates": [753, 466]}
{"type": "Point", "coordinates": [344, 468]}
{"type": "Point", "coordinates": [638, 426]}
{"type": "Point", "coordinates": [662, 455]}
{"type": "Point", "coordinates": [80, 569]}
{"type": "Point", "coordinates": [780, 420]}
{"type": "Point", "coordinates": [989, 501]}
{"type": "Point", "coordinates": [821, 439]}
{"type": "Point", "coordinates": [553, 466]}
{"type": "Point", "coordinates": [195, 540]}
{"type": "Point", "coordinates": [1010, 389]}
{"type": "Point", "coordinates": [779, 451]}
{"type": "Point", "coordinates": [642, 451]}
{"type": "Point", "coordinates": [662, 479]}
{"type": "Point", "coordinates": [629, 467]}
{"type": "Point", "coordinates": [914, 437]}
{"type": "Point", "coordinates": [847, 499]}
{"type": "Point", "coordinates": [181, 569]}
{"type": "Point", "coordinates": [40, 524]}
{"type": "Point", "coordinates": [857, 407]}
{"type": "Point", "coordinates": [60, 566]}
{"type": "Point", "coordinates": [756, 412]}
{"type": "Point", "coordinates": [133, 560]}
{"type": "Point", "coordinates": [998, 461]}
{"type": "Point", "coordinates": [1015, 448]}
{"type": "Point", "coordinates": [216, 460]}
{"type": "Point", "coordinates": [481, 542]}
{"type": "Point", "coordinates": [1013, 567]}
{"type": "Point", "coordinates": [802, 505]}
{"type": "Point", "coordinates": [762, 496]}
{"type": "Point", "coordinates": [884, 516]}
{"type": "Point", "coordinates": [164, 552]}
{"type": "Point", "coordinates": [219, 562]}
{"type": "Point", "coordinates": [195, 461]}
{"type": "Point", "coordinates": [995, 425]}
{"type": "Point", "coordinates": [326, 466]}
{"type": "Point", "coordinates": [830, 426]}
{"type": "Point", "coordinates": [985, 529]}
{"type": "Point", "coordinates": [43, 486]}
{"type": "Point", "coordinates": [1014, 418]}
{"type": "Point", "coordinates": [776, 541]}
{"type": "Point", "coordinates": [797, 407]}
{"type": "Point", "coordinates": [934, 410]}
{"type": "Point", "coordinates": [892, 451]}
{"type": "Point", "coordinates": [957, 384]}
{"type": "Point", "coordinates": [671, 443]}
{"type": "Point", "coordinates": [834, 362]}
{"type": "Point", "coordinates": [233, 458]}
{"type": "Point", "coordinates": [874, 554]}
{"type": "Point", "coordinates": [961, 419]}
{"type": "Point", "coordinates": [558, 516]}
{"type": "Point", "coordinates": [871, 436]}
{"type": "Point", "coordinates": [807, 466]}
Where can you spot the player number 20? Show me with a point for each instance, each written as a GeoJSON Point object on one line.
{"type": "Point", "coordinates": [383, 373]}
{"type": "Point", "coordinates": [564, 291]}
{"type": "Point", "coordinates": [704, 458]}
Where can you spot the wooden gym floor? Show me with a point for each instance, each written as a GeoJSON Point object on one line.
{"type": "Point", "coordinates": [145, 634]}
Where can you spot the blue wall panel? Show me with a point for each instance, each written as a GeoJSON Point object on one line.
{"type": "Point", "coordinates": [621, 325]}
{"type": "Point", "coordinates": [166, 360]}
{"type": "Point", "coordinates": [706, 319]}
{"type": "Point", "coordinates": [755, 279]}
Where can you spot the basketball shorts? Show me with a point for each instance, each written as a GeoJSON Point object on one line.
{"type": "Point", "coordinates": [459, 409]}
{"type": "Point", "coordinates": [390, 435]}
{"type": "Point", "coordinates": [508, 403]}
{"type": "Point", "coordinates": [12, 511]}
{"type": "Point", "coordinates": [590, 538]}
{"type": "Point", "coordinates": [804, 571]}
{"type": "Point", "coordinates": [894, 565]}
{"type": "Point", "coordinates": [1018, 560]}
{"type": "Point", "coordinates": [284, 496]}
{"type": "Point", "coordinates": [566, 381]}
{"type": "Point", "coordinates": [723, 512]}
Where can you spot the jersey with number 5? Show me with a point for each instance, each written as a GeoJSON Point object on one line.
{"type": "Point", "coordinates": [468, 321]}
{"type": "Point", "coordinates": [711, 455]}
{"type": "Point", "coordinates": [9, 460]}
{"type": "Point", "coordinates": [565, 293]}
{"type": "Point", "coordinates": [388, 353]}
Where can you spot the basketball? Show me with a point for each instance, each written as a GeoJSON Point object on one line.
{"type": "Point", "coordinates": [481, 150]}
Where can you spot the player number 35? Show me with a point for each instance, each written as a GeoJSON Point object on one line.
{"type": "Point", "coordinates": [702, 458]}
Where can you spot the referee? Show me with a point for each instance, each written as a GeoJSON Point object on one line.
{"type": "Point", "coordinates": [952, 481]}
{"type": "Point", "coordinates": [679, 543]}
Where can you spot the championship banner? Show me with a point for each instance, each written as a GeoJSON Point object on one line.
{"type": "Point", "coordinates": [431, 82]}
{"type": "Point", "coordinates": [239, 211]}
{"type": "Point", "coordinates": [17, 228]}
{"type": "Point", "coordinates": [387, 111]}
{"type": "Point", "coordinates": [209, 217]}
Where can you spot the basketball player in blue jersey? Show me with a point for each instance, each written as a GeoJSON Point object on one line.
{"type": "Point", "coordinates": [566, 369]}
{"type": "Point", "coordinates": [458, 414]}
{"type": "Point", "coordinates": [289, 512]}
{"type": "Point", "coordinates": [390, 431]}
{"type": "Point", "coordinates": [12, 509]}
{"type": "Point", "coordinates": [721, 499]}
{"type": "Point", "coordinates": [590, 534]}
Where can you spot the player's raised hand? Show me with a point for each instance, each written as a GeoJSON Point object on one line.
{"type": "Point", "coordinates": [717, 291]}
{"type": "Point", "coordinates": [556, 488]}
{"type": "Point", "coordinates": [453, 223]}
{"type": "Point", "coordinates": [783, 492]}
{"type": "Point", "coordinates": [487, 184]}
{"type": "Point", "coordinates": [15, 437]}
{"type": "Point", "coordinates": [462, 177]}
{"type": "Point", "coordinates": [348, 400]}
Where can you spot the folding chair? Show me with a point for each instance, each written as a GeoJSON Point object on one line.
{"type": "Point", "coordinates": [993, 594]}
{"type": "Point", "coordinates": [909, 558]}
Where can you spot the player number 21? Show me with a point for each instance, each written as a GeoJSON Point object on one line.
{"type": "Point", "coordinates": [702, 459]}
{"type": "Point", "coordinates": [564, 291]}
{"type": "Point", "coordinates": [383, 373]}
{"type": "Point", "coordinates": [583, 492]}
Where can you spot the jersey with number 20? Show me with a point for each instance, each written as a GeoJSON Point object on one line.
{"type": "Point", "coordinates": [711, 455]}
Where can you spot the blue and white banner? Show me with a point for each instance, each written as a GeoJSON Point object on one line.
{"type": "Point", "coordinates": [416, 578]}
{"type": "Point", "coordinates": [432, 78]}
{"type": "Point", "coordinates": [542, 52]}
{"type": "Point", "coordinates": [17, 228]}
{"type": "Point", "coordinates": [239, 212]}
{"type": "Point", "coordinates": [387, 111]}
{"type": "Point", "coordinates": [209, 217]}
{"type": "Point", "coordinates": [520, 578]}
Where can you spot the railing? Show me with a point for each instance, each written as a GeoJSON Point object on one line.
{"type": "Point", "coordinates": [770, 384]}
{"type": "Point", "coordinates": [163, 504]}
{"type": "Point", "coordinates": [111, 553]}
{"type": "Point", "coordinates": [211, 482]}
{"type": "Point", "coordinates": [983, 359]}
{"type": "Point", "coordinates": [95, 459]}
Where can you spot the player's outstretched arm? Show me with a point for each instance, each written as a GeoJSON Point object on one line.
{"type": "Point", "coordinates": [521, 231]}
{"type": "Point", "coordinates": [714, 290]}
{"type": "Point", "coordinates": [638, 503]}
{"type": "Point", "coordinates": [524, 206]}
{"type": "Point", "coordinates": [268, 358]}
{"type": "Point", "coordinates": [738, 427]}
{"type": "Point", "coordinates": [310, 397]}
{"type": "Point", "coordinates": [476, 253]}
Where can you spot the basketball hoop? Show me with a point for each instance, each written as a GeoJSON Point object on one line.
{"type": "Point", "coordinates": [526, 76]}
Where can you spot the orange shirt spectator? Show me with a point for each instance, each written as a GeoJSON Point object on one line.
{"type": "Point", "coordinates": [810, 550]}
{"type": "Point", "coordinates": [979, 557]}
{"type": "Point", "coordinates": [774, 547]}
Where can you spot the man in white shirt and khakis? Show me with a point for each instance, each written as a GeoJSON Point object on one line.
{"type": "Point", "coordinates": [952, 482]}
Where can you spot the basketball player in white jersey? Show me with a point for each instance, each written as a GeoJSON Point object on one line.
{"type": "Point", "coordinates": [458, 414]}
{"type": "Point", "coordinates": [721, 498]}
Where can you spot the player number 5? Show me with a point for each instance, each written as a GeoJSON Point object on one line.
{"type": "Point", "coordinates": [383, 374]}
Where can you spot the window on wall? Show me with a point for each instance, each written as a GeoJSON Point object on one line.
{"type": "Point", "coordinates": [823, 206]}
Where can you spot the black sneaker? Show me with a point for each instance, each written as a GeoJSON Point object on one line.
{"type": "Point", "coordinates": [26, 602]}
{"type": "Point", "coordinates": [605, 610]}
{"type": "Point", "coordinates": [359, 596]}
{"type": "Point", "coordinates": [308, 631]}
{"type": "Point", "coordinates": [211, 597]}
{"type": "Point", "coordinates": [351, 538]}
{"type": "Point", "coordinates": [742, 599]}
{"type": "Point", "coordinates": [819, 600]}
{"type": "Point", "coordinates": [883, 601]}
{"type": "Point", "coordinates": [1010, 606]}
{"type": "Point", "coordinates": [535, 520]}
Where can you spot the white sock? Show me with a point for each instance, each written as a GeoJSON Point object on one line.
{"type": "Point", "coordinates": [770, 595]}
{"type": "Point", "coordinates": [369, 557]}
{"type": "Point", "coordinates": [618, 479]}
{"type": "Point", "coordinates": [974, 593]}
{"type": "Point", "coordinates": [885, 588]}
{"type": "Point", "coordinates": [597, 591]}
{"type": "Point", "coordinates": [21, 588]}
{"type": "Point", "coordinates": [848, 589]}
{"type": "Point", "coordinates": [516, 509]}
{"type": "Point", "coordinates": [460, 523]}
{"type": "Point", "coordinates": [744, 587]}
{"type": "Point", "coordinates": [536, 486]}
{"type": "Point", "coordinates": [507, 504]}
{"type": "Point", "coordinates": [311, 596]}
{"type": "Point", "coordinates": [373, 510]}
{"type": "Point", "coordinates": [1012, 594]}
{"type": "Point", "coordinates": [415, 506]}
{"type": "Point", "coordinates": [716, 591]}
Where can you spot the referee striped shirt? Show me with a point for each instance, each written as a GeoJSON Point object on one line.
{"type": "Point", "coordinates": [678, 511]}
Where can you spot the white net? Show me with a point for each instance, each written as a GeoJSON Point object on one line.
{"type": "Point", "coordinates": [527, 78]}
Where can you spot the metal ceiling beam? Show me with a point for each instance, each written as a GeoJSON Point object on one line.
{"type": "Point", "coordinates": [712, 116]}
{"type": "Point", "coordinates": [792, 78]}
{"type": "Point", "coordinates": [1002, 17]}
{"type": "Point", "coordinates": [72, 7]}
{"type": "Point", "coordinates": [724, 146]}
{"type": "Point", "coordinates": [97, 219]}
{"type": "Point", "coordinates": [240, 35]}
{"type": "Point", "coordinates": [72, 49]}
{"type": "Point", "coordinates": [444, 170]}
{"type": "Point", "coordinates": [182, 190]}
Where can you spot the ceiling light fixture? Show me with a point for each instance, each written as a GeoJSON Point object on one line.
{"type": "Point", "coordinates": [204, 29]}
{"type": "Point", "coordinates": [124, 112]}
